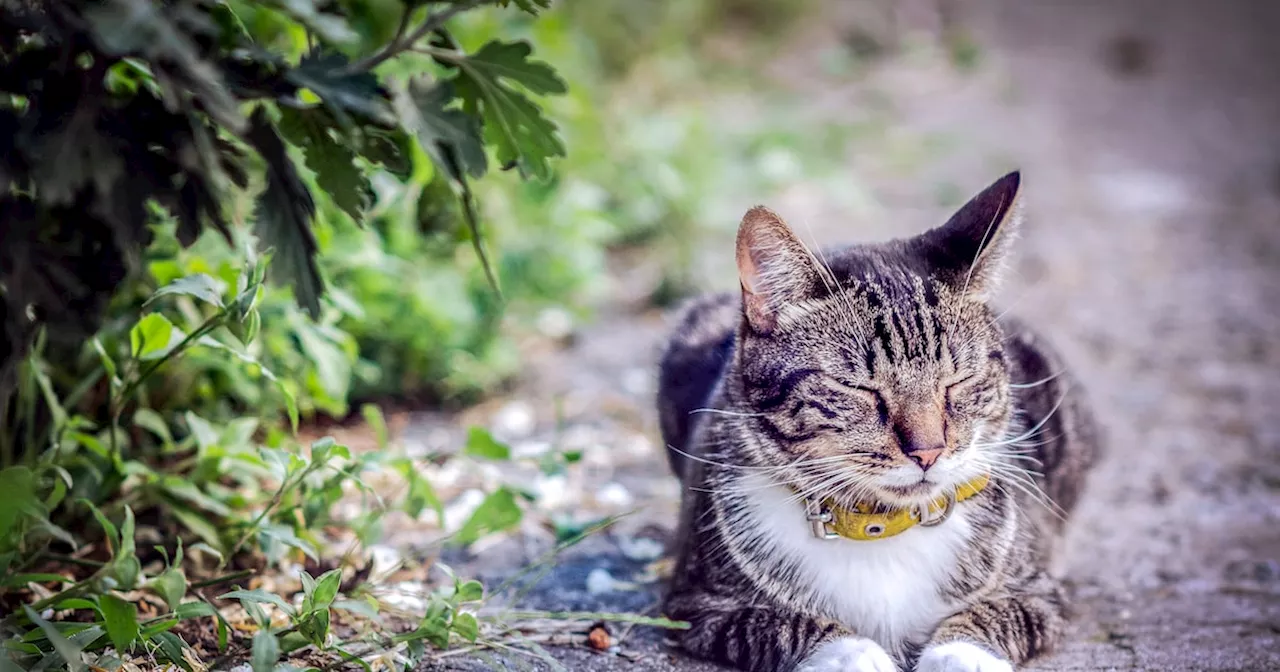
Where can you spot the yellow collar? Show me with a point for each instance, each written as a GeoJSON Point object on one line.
{"type": "Point", "coordinates": [830, 521]}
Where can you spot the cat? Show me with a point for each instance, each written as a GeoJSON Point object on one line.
{"type": "Point", "coordinates": [876, 467]}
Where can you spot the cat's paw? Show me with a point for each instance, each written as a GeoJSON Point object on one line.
{"type": "Point", "coordinates": [961, 657]}
{"type": "Point", "coordinates": [848, 654]}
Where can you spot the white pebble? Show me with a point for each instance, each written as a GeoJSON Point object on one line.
{"type": "Point", "coordinates": [640, 549]}
{"type": "Point", "coordinates": [555, 323]}
{"type": "Point", "coordinates": [460, 509]}
{"type": "Point", "coordinates": [614, 494]}
{"type": "Point", "coordinates": [600, 581]}
{"type": "Point", "coordinates": [514, 420]}
{"type": "Point", "coordinates": [382, 561]}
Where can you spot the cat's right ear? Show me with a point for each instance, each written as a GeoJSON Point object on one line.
{"type": "Point", "coordinates": [968, 252]}
{"type": "Point", "coordinates": [774, 268]}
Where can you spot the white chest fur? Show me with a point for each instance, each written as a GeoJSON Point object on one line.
{"type": "Point", "coordinates": [888, 590]}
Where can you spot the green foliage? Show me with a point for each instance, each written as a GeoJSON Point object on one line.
{"type": "Point", "coordinates": [112, 108]}
{"type": "Point", "coordinates": [228, 489]}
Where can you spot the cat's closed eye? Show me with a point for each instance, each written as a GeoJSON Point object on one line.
{"type": "Point", "coordinates": [865, 397]}
{"type": "Point", "coordinates": [962, 392]}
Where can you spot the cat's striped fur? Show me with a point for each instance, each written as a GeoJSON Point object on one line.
{"type": "Point", "coordinates": [872, 373]}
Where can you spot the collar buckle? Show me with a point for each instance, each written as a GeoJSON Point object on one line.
{"type": "Point", "coordinates": [819, 517]}
{"type": "Point", "coordinates": [922, 514]}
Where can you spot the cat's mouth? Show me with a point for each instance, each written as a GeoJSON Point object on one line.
{"type": "Point", "coordinates": [917, 489]}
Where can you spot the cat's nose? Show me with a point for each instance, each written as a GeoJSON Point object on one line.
{"type": "Point", "coordinates": [925, 457]}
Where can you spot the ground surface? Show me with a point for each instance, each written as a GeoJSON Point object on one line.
{"type": "Point", "coordinates": [1149, 137]}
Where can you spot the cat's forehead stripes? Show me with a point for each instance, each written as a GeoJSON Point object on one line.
{"type": "Point", "coordinates": [904, 324]}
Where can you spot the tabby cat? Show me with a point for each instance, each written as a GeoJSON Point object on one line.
{"type": "Point", "coordinates": [876, 466]}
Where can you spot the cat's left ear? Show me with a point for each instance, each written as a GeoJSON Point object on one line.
{"type": "Point", "coordinates": [968, 252]}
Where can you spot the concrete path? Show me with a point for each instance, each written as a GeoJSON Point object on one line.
{"type": "Point", "coordinates": [1149, 136]}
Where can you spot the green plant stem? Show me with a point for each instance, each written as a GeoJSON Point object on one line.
{"type": "Point", "coordinates": [115, 403]}
{"type": "Point", "coordinates": [72, 591]}
{"type": "Point", "coordinates": [285, 486]}
{"type": "Point", "coordinates": [401, 43]}
{"type": "Point", "coordinates": [57, 557]}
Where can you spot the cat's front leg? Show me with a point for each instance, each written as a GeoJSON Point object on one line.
{"type": "Point", "coordinates": [994, 635]}
{"type": "Point", "coordinates": [961, 656]}
{"type": "Point", "coordinates": [757, 638]}
{"type": "Point", "coordinates": [848, 654]}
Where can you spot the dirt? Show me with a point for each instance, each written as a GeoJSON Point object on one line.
{"type": "Point", "coordinates": [1148, 133]}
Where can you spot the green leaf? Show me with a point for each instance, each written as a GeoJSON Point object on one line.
{"type": "Point", "coordinates": [170, 585]}
{"type": "Point", "coordinates": [64, 647]}
{"type": "Point", "coordinates": [466, 626]}
{"type": "Point", "coordinates": [450, 136]}
{"type": "Point", "coordinates": [326, 589]}
{"type": "Point", "coordinates": [282, 217]}
{"type": "Point", "coordinates": [266, 651]}
{"type": "Point", "coordinates": [320, 449]}
{"type": "Point", "coordinates": [121, 619]}
{"type": "Point", "coordinates": [200, 525]}
{"type": "Point", "coordinates": [125, 28]}
{"type": "Point", "coordinates": [156, 627]}
{"type": "Point", "coordinates": [373, 417]}
{"type": "Point", "coordinates": [510, 60]}
{"type": "Point", "coordinates": [330, 157]}
{"type": "Point", "coordinates": [342, 92]}
{"type": "Point", "coordinates": [330, 27]}
{"type": "Point", "coordinates": [358, 607]}
{"type": "Point", "coordinates": [496, 513]}
{"type": "Point", "coordinates": [531, 6]}
{"type": "Point", "coordinates": [291, 406]}
{"type": "Point", "coordinates": [392, 149]}
{"type": "Point", "coordinates": [126, 533]}
{"type": "Point", "coordinates": [151, 337]}
{"type": "Point", "coordinates": [190, 610]}
{"type": "Point", "coordinates": [151, 421]}
{"type": "Point", "coordinates": [480, 443]}
{"type": "Point", "coordinates": [259, 596]}
{"type": "Point", "coordinates": [76, 603]}
{"type": "Point", "coordinates": [224, 632]}
{"type": "Point", "coordinates": [199, 285]}
{"type": "Point", "coordinates": [88, 637]}
{"type": "Point", "coordinates": [512, 122]}
{"type": "Point", "coordinates": [203, 430]}
{"type": "Point", "coordinates": [17, 496]}
{"type": "Point", "coordinates": [283, 534]}
{"type": "Point", "coordinates": [308, 587]}
{"type": "Point", "coordinates": [470, 591]}
{"type": "Point", "coordinates": [421, 494]}
{"type": "Point", "coordinates": [190, 492]}
{"type": "Point", "coordinates": [315, 627]}
{"type": "Point", "coordinates": [172, 645]}
{"type": "Point", "coordinates": [206, 548]}
{"type": "Point", "coordinates": [113, 535]}
{"type": "Point", "coordinates": [108, 364]}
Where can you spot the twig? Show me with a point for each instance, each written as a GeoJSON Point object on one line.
{"type": "Point", "coordinates": [400, 43]}
{"type": "Point", "coordinates": [275, 501]}
{"type": "Point", "coordinates": [626, 631]}
{"type": "Point", "coordinates": [591, 616]}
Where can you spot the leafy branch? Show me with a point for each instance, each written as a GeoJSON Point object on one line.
{"type": "Point", "coordinates": [402, 42]}
{"type": "Point", "coordinates": [157, 118]}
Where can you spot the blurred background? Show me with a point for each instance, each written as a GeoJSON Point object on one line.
{"type": "Point", "coordinates": [1148, 133]}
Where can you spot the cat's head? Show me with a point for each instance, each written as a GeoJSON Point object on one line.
{"type": "Point", "coordinates": [877, 372]}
